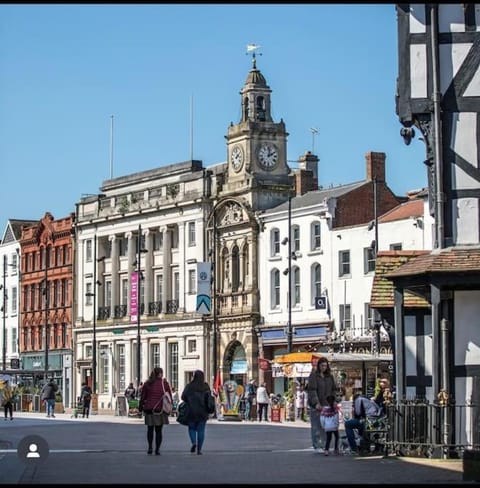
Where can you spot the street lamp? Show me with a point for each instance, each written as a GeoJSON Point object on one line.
{"type": "Point", "coordinates": [94, 295]}
{"type": "Point", "coordinates": [139, 254]}
{"type": "Point", "coordinates": [4, 342]}
{"type": "Point", "coordinates": [288, 272]}
{"type": "Point", "coordinates": [47, 303]}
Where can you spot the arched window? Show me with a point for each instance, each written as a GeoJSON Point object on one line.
{"type": "Point", "coordinates": [235, 268]}
{"type": "Point", "coordinates": [245, 265]}
{"type": "Point", "coordinates": [316, 281]}
{"type": "Point", "coordinates": [295, 238]}
{"type": "Point", "coordinates": [245, 108]}
{"type": "Point", "coordinates": [260, 108]}
{"type": "Point", "coordinates": [275, 288]}
{"type": "Point", "coordinates": [224, 269]}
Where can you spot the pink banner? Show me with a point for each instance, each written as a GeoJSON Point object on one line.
{"type": "Point", "coordinates": [134, 298]}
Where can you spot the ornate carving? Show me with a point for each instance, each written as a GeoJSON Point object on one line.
{"type": "Point", "coordinates": [233, 214]}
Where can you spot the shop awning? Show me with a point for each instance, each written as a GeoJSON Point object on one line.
{"type": "Point", "coordinates": [297, 357]}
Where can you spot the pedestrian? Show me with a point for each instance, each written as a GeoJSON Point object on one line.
{"type": "Point", "coordinates": [320, 385]}
{"type": "Point", "coordinates": [263, 400]}
{"type": "Point", "coordinates": [382, 394]}
{"type": "Point", "coordinates": [130, 392]}
{"type": "Point", "coordinates": [195, 395]}
{"type": "Point", "coordinates": [7, 399]}
{"type": "Point", "coordinates": [47, 395]}
{"type": "Point", "coordinates": [85, 398]}
{"type": "Point", "coordinates": [250, 396]}
{"type": "Point", "coordinates": [363, 408]}
{"type": "Point", "coordinates": [300, 401]}
{"type": "Point", "coordinates": [330, 421]}
{"type": "Point", "coordinates": [138, 391]}
{"type": "Point", "coordinates": [175, 400]}
{"type": "Point", "coordinates": [150, 404]}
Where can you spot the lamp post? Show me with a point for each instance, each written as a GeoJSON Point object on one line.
{"type": "Point", "coordinates": [4, 340]}
{"type": "Point", "coordinates": [289, 296]}
{"type": "Point", "coordinates": [46, 291]}
{"type": "Point", "coordinates": [139, 254]}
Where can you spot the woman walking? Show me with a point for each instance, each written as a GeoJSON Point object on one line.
{"type": "Point", "coordinates": [195, 395]}
{"type": "Point", "coordinates": [151, 401]}
{"type": "Point", "coordinates": [321, 384]}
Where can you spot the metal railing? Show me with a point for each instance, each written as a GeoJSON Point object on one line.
{"type": "Point", "coordinates": [432, 430]}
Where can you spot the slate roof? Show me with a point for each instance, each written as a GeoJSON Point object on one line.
{"type": "Point", "coordinates": [382, 288]}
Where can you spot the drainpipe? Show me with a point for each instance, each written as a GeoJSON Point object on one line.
{"type": "Point", "coordinates": [437, 131]}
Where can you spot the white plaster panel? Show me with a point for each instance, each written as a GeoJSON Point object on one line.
{"type": "Point", "coordinates": [428, 345]}
{"type": "Point", "coordinates": [417, 18]}
{"type": "Point", "coordinates": [451, 58]}
{"type": "Point", "coordinates": [473, 89]}
{"type": "Point", "coordinates": [465, 145]}
{"type": "Point", "coordinates": [465, 221]}
{"type": "Point", "coordinates": [418, 70]}
{"type": "Point", "coordinates": [410, 346]}
{"type": "Point", "coordinates": [467, 332]}
{"type": "Point", "coordinates": [451, 18]}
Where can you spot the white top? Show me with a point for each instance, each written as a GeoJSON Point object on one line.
{"type": "Point", "coordinates": [262, 395]}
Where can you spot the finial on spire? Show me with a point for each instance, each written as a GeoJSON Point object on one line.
{"type": "Point", "coordinates": [251, 48]}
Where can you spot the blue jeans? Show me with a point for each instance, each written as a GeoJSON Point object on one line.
{"type": "Point", "coordinates": [316, 429]}
{"type": "Point", "coordinates": [350, 426]}
{"type": "Point", "coordinates": [50, 407]}
{"type": "Point", "coordinates": [248, 409]}
{"type": "Point", "coordinates": [196, 431]}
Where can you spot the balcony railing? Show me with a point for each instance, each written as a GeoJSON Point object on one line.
{"type": "Point", "coordinates": [172, 306]}
{"type": "Point", "coordinates": [120, 311]}
{"type": "Point", "coordinates": [103, 313]}
{"type": "Point", "coordinates": [154, 308]}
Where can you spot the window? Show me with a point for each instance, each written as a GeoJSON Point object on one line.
{"type": "Point", "coordinates": [174, 236]}
{"type": "Point", "coordinates": [176, 285]}
{"type": "Point", "coordinates": [155, 355]}
{"type": "Point", "coordinates": [369, 317]}
{"type": "Point", "coordinates": [88, 294]}
{"type": "Point", "coordinates": [57, 293]}
{"type": "Point", "coordinates": [108, 294]}
{"type": "Point", "coordinates": [13, 343]}
{"type": "Point", "coordinates": [316, 242]}
{"type": "Point", "coordinates": [159, 288]}
{"type": "Point", "coordinates": [316, 282]}
{"type": "Point", "coordinates": [191, 234]}
{"type": "Point", "coordinates": [275, 242]}
{"type": "Point", "coordinates": [64, 335]}
{"type": "Point", "coordinates": [122, 246]}
{"type": "Point", "coordinates": [88, 351]}
{"type": "Point", "coordinates": [296, 284]}
{"type": "Point", "coordinates": [192, 345]}
{"type": "Point", "coordinates": [14, 263]}
{"type": "Point", "coordinates": [345, 317]}
{"type": "Point", "coordinates": [66, 254]}
{"type": "Point", "coordinates": [104, 370]}
{"type": "Point", "coordinates": [157, 241]}
{"type": "Point", "coordinates": [296, 238]}
{"type": "Point", "coordinates": [64, 291]}
{"type": "Point", "coordinates": [58, 257]}
{"type": "Point", "coordinates": [122, 383]}
{"type": "Point", "coordinates": [396, 247]}
{"type": "Point", "coordinates": [191, 281]}
{"type": "Point", "coordinates": [124, 297]}
{"type": "Point", "coordinates": [368, 260]}
{"type": "Point", "coordinates": [275, 288]}
{"type": "Point", "coordinates": [13, 292]}
{"type": "Point", "coordinates": [88, 250]}
{"type": "Point", "coordinates": [235, 269]}
{"type": "Point", "coordinates": [172, 364]}
{"type": "Point", "coordinates": [344, 263]}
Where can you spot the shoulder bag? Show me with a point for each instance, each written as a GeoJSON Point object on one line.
{"type": "Point", "coordinates": [183, 412]}
{"type": "Point", "coordinates": [167, 404]}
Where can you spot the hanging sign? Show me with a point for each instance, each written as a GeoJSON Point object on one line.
{"type": "Point", "coordinates": [204, 300]}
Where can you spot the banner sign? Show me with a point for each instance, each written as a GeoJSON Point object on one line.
{"type": "Point", "coordinates": [204, 300]}
{"type": "Point", "coordinates": [134, 297]}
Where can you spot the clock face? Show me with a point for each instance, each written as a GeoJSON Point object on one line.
{"type": "Point", "coordinates": [237, 158]}
{"type": "Point", "coordinates": [267, 155]}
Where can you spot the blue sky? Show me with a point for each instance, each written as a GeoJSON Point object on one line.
{"type": "Point", "coordinates": [66, 69]}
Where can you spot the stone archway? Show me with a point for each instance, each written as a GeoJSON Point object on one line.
{"type": "Point", "coordinates": [235, 364]}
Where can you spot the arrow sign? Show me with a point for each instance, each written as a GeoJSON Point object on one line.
{"type": "Point", "coordinates": [203, 304]}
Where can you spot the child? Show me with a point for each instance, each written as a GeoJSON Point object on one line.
{"type": "Point", "coordinates": [329, 418]}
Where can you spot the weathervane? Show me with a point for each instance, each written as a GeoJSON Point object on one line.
{"type": "Point", "coordinates": [251, 48]}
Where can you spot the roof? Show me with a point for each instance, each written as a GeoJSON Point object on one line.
{"type": "Point", "coordinates": [382, 288]}
{"type": "Point", "coordinates": [450, 260]}
{"type": "Point", "coordinates": [316, 196]}
{"type": "Point", "coordinates": [411, 208]}
{"type": "Point", "coordinates": [254, 76]}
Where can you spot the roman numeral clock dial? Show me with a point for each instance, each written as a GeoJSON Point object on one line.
{"type": "Point", "coordinates": [267, 156]}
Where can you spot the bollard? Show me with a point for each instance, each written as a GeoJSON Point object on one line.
{"type": "Point", "coordinates": [471, 465]}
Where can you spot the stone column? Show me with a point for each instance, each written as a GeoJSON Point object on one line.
{"type": "Point", "coordinates": [167, 272]}
{"type": "Point", "coordinates": [148, 273]}
{"type": "Point", "coordinates": [131, 255]}
{"type": "Point", "coordinates": [115, 281]}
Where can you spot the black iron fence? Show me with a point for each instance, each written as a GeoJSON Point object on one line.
{"type": "Point", "coordinates": [432, 430]}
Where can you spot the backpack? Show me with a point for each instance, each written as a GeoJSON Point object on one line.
{"type": "Point", "coordinates": [210, 402]}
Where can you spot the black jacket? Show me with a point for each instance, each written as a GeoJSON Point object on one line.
{"type": "Point", "coordinates": [196, 397]}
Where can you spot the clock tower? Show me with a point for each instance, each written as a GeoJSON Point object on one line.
{"type": "Point", "coordinates": [257, 148]}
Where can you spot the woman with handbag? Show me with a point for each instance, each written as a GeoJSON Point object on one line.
{"type": "Point", "coordinates": [197, 396]}
{"type": "Point", "coordinates": [151, 404]}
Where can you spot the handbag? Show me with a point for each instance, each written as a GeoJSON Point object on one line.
{"type": "Point", "coordinates": [210, 402]}
{"type": "Point", "coordinates": [183, 412]}
{"type": "Point", "coordinates": [167, 403]}
{"type": "Point", "coordinates": [329, 423]}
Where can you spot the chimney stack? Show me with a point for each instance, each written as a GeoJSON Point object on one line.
{"type": "Point", "coordinates": [375, 166]}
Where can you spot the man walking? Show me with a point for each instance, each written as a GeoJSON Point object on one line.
{"type": "Point", "coordinates": [47, 395]}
